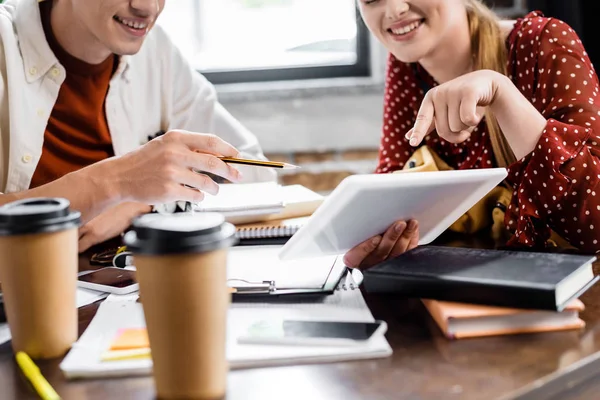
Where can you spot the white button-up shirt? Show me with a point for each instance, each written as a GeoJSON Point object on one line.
{"type": "Point", "coordinates": [151, 91]}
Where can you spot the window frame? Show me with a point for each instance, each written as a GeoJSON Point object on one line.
{"type": "Point", "coordinates": [361, 68]}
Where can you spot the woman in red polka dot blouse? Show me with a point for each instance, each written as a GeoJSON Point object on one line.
{"type": "Point", "coordinates": [452, 63]}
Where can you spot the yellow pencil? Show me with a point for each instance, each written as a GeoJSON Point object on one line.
{"type": "Point", "coordinates": [258, 163]}
{"type": "Point", "coordinates": [33, 374]}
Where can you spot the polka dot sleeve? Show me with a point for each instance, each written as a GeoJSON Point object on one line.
{"type": "Point", "coordinates": [401, 101]}
{"type": "Point", "coordinates": [556, 185]}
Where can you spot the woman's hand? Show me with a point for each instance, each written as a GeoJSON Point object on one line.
{"type": "Point", "coordinates": [110, 224]}
{"type": "Point", "coordinates": [456, 107]}
{"type": "Point", "coordinates": [399, 238]}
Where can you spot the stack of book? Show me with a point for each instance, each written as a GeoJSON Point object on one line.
{"type": "Point", "coordinates": [475, 293]}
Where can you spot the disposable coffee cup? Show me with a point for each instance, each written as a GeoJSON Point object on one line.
{"type": "Point", "coordinates": [38, 272]}
{"type": "Point", "coordinates": [182, 272]}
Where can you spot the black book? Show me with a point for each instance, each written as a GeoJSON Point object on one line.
{"type": "Point", "coordinates": [546, 281]}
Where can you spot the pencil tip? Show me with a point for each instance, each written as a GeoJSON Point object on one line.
{"type": "Point", "coordinates": [290, 166]}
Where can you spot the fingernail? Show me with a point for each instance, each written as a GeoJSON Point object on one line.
{"type": "Point", "coordinates": [407, 136]}
{"type": "Point", "coordinates": [400, 226]}
{"type": "Point", "coordinates": [414, 141]}
{"type": "Point", "coordinates": [412, 224]}
{"type": "Point", "coordinates": [376, 241]}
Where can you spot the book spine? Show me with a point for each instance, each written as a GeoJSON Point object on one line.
{"type": "Point", "coordinates": [461, 291]}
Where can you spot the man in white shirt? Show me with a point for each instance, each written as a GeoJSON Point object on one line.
{"type": "Point", "coordinates": [84, 85]}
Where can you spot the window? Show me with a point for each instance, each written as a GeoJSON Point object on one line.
{"type": "Point", "coordinates": [259, 40]}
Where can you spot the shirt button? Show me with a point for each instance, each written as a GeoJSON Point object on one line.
{"type": "Point", "coordinates": [33, 71]}
{"type": "Point", "coordinates": [40, 112]}
{"type": "Point", "coordinates": [55, 72]}
{"type": "Point", "coordinates": [26, 158]}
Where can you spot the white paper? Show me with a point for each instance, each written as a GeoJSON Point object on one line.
{"type": "Point", "coordinates": [87, 296]}
{"type": "Point", "coordinates": [256, 264]}
{"type": "Point", "coordinates": [84, 358]}
{"type": "Point", "coordinates": [127, 298]}
{"type": "Point", "coordinates": [4, 333]}
{"type": "Point", "coordinates": [243, 197]}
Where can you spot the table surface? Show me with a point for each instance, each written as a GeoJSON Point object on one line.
{"type": "Point", "coordinates": [424, 364]}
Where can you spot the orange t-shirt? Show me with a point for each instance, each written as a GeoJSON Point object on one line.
{"type": "Point", "coordinates": [77, 133]}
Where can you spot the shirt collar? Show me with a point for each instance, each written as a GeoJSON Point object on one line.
{"type": "Point", "coordinates": [38, 58]}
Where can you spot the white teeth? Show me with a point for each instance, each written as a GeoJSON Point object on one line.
{"type": "Point", "coordinates": [405, 29]}
{"type": "Point", "coordinates": [132, 24]}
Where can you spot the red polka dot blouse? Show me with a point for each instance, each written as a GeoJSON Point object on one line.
{"type": "Point", "coordinates": [557, 185]}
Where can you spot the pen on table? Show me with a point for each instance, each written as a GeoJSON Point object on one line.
{"type": "Point", "coordinates": [33, 374]}
{"type": "Point", "coordinates": [258, 163]}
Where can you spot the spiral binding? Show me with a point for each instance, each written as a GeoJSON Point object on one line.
{"type": "Point", "coordinates": [264, 232]}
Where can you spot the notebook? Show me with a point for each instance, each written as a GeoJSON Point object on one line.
{"type": "Point", "coordinates": [243, 199]}
{"type": "Point", "coordinates": [85, 360]}
{"type": "Point", "coordinates": [258, 270]}
{"type": "Point", "coordinates": [460, 321]}
{"type": "Point", "coordinates": [297, 201]}
{"type": "Point", "coordinates": [283, 228]}
{"type": "Point", "coordinates": [531, 280]}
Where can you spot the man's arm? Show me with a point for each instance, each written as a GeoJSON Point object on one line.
{"type": "Point", "coordinates": [195, 108]}
{"type": "Point", "coordinates": [158, 172]}
{"type": "Point", "coordinates": [87, 193]}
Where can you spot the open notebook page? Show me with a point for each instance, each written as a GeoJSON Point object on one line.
{"type": "Point", "coordinates": [260, 263]}
{"type": "Point", "coordinates": [236, 197]}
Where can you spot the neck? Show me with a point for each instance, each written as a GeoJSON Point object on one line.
{"type": "Point", "coordinates": [73, 37]}
{"type": "Point", "coordinates": [452, 57]}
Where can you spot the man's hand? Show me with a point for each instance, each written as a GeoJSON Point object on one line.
{"type": "Point", "coordinates": [109, 224]}
{"type": "Point", "coordinates": [399, 238]}
{"type": "Point", "coordinates": [162, 171]}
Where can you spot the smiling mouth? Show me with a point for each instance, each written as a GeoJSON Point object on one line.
{"type": "Point", "coordinates": [406, 29]}
{"type": "Point", "coordinates": [140, 26]}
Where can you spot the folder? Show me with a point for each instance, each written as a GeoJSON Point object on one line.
{"type": "Point", "coordinates": [257, 271]}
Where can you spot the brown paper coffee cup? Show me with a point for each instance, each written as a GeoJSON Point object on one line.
{"type": "Point", "coordinates": [182, 272]}
{"type": "Point", "coordinates": [38, 271]}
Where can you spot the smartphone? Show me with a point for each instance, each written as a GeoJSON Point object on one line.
{"type": "Point", "coordinates": [110, 280]}
{"type": "Point", "coordinates": [312, 333]}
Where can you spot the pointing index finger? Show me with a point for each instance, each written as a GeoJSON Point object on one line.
{"type": "Point", "coordinates": [424, 122]}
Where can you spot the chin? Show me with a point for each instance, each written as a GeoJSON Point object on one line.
{"type": "Point", "coordinates": [126, 49]}
{"type": "Point", "coordinates": [407, 57]}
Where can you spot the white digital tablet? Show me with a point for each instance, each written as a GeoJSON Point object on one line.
{"type": "Point", "coordinates": [363, 206]}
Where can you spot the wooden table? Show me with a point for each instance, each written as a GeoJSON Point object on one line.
{"type": "Point", "coordinates": [424, 365]}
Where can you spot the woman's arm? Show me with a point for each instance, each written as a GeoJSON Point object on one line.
{"type": "Point", "coordinates": [558, 184]}
{"type": "Point", "coordinates": [554, 133]}
{"type": "Point", "coordinates": [521, 123]}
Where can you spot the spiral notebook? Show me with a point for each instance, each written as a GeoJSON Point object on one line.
{"type": "Point", "coordinates": [283, 228]}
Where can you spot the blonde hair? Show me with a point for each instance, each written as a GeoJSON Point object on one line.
{"type": "Point", "coordinates": [489, 51]}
